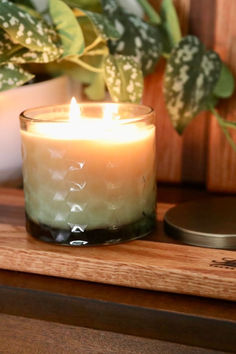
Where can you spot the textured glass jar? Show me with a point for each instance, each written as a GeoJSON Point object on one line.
{"type": "Point", "coordinates": [92, 181]}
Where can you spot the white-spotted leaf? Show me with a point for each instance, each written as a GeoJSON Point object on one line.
{"type": "Point", "coordinates": [12, 76]}
{"type": "Point", "coordinates": [69, 30]}
{"type": "Point", "coordinates": [24, 29]}
{"type": "Point", "coordinates": [27, 3]}
{"type": "Point", "coordinates": [7, 47]}
{"type": "Point", "coordinates": [190, 77]}
{"type": "Point", "coordinates": [15, 53]}
{"type": "Point", "coordinates": [24, 56]}
{"type": "Point", "coordinates": [124, 78]}
{"type": "Point", "coordinates": [102, 25]}
{"type": "Point", "coordinates": [137, 37]}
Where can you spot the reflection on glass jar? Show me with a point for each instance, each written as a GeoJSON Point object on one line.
{"type": "Point", "coordinates": [90, 180]}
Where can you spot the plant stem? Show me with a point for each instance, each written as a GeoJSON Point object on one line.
{"type": "Point", "coordinates": [152, 14]}
{"type": "Point", "coordinates": [229, 124]}
{"type": "Point", "coordinates": [166, 55]}
{"type": "Point", "coordinates": [92, 45]}
{"type": "Point", "coordinates": [84, 65]}
{"type": "Point", "coordinates": [98, 52]}
{"type": "Point", "coordinates": [224, 124]}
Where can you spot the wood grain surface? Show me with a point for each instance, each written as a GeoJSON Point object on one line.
{"type": "Point", "coordinates": [182, 158]}
{"type": "Point", "coordinates": [169, 143]}
{"type": "Point", "coordinates": [202, 154]}
{"type": "Point", "coordinates": [222, 158]}
{"type": "Point", "coordinates": [148, 264]}
{"type": "Point", "coordinates": [20, 335]}
{"type": "Point", "coordinates": [195, 138]}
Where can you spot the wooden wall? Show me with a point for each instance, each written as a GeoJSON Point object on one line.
{"type": "Point", "coordinates": [202, 154]}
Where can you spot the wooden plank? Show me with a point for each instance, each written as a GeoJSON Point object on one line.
{"type": "Point", "coordinates": [182, 158]}
{"type": "Point", "coordinates": [194, 155]}
{"type": "Point", "coordinates": [13, 197]}
{"type": "Point", "coordinates": [137, 312]}
{"type": "Point", "coordinates": [141, 264]}
{"type": "Point", "coordinates": [195, 138]}
{"type": "Point", "coordinates": [221, 157]}
{"type": "Point", "coordinates": [27, 335]}
{"type": "Point", "coordinates": [169, 143]}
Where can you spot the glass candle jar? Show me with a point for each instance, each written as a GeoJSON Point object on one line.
{"type": "Point", "coordinates": [89, 174]}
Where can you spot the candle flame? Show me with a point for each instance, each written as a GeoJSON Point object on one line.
{"type": "Point", "coordinates": [74, 113]}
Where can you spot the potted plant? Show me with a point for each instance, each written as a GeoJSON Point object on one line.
{"type": "Point", "coordinates": [65, 38]}
{"type": "Point", "coordinates": [102, 45]}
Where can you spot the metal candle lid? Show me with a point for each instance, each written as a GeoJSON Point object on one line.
{"type": "Point", "coordinates": [207, 222]}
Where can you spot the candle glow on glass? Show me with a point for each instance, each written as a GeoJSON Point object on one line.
{"type": "Point", "coordinates": [85, 167]}
{"type": "Point", "coordinates": [110, 114]}
{"type": "Point", "coordinates": [74, 112]}
{"type": "Point", "coordinates": [108, 128]}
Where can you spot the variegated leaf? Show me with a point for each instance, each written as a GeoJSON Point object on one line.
{"type": "Point", "coordinates": [102, 25]}
{"type": "Point", "coordinates": [31, 10]}
{"type": "Point", "coordinates": [124, 78]}
{"type": "Point", "coordinates": [24, 56]}
{"type": "Point", "coordinates": [69, 30]}
{"type": "Point", "coordinates": [13, 76]}
{"type": "Point", "coordinates": [7, 47]}
{"type": "Point", "coordinates": [20, 55]}
{"type": "Point", "coordinates": [137, 37]}
{"type": "Point", "coordinates": [25, 29]}
{"type": "Point", "coordinates": [27, 3]}
{"type": "Point", "coordinates": [190, 77]}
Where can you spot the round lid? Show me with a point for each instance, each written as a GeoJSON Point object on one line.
{"type": "Point", "coordinates": [206, 222]}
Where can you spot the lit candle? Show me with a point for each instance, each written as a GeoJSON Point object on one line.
{"type": "Point", "coordinates": [89, 178]}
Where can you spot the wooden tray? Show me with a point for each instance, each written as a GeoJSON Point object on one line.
{"type": "Point", "coordinates": [154, 263]}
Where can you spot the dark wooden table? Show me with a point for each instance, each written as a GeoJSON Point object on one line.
{"type": "Point", "coordinates": [40, 314]}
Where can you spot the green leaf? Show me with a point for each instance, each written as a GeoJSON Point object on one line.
{"type": "Point", "coordinates": [88, 31]}
{"type": "Point", "coordinates": [96, 88]}
{"type": "Point", "coordinates": [91, 5]}
{"type": "Point", "coordinates": [224, 125]}
{"type": "Point", "coordinates": [151, 13]}
{"type": "Point", "coordinates": [30, 10]}
{"type": "Point", "coordinates": [166, 44]}
{"type": "Point", "coordinates": [7, 47]}
{"type": "Point", "coordinates": [124, 78]}
{"type": "Point", "coordinates": [170, 23]}
{"type": "Point", "coordinates": [13, 76]}
{"type": "Point", "coordinates": [68, 28]}
{"type": "Point", "coordinates": [225, 85]}
{"type": "Point", "coordinates": [103, 27]}
{"type": "Point", "coordinates": [27, 3]}
{"type": "Point", "coordinates": [212, 101]}
{"type": "Point", "coordinates": [20, 55]}
{"type": "Point", "coordinates": [24, 56]}
{"type": "Point", "coordinates": [190, 77]}
{"type": "Point", "coordinates": [138, 38]}
{"type": "Point", "coordinates": [25, 29]}
{"type": "Point", "coordinates": [71, 69]}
